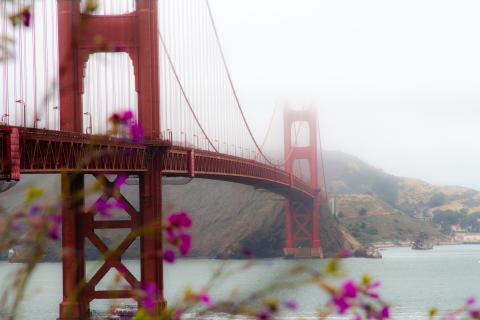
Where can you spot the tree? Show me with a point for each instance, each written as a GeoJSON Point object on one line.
{"type": "Point", "coordinates": [362, 212]}
{"type": "Point", "coordinates": [437, 200]}
{"type": "Point", "coordinates": [372, 230]}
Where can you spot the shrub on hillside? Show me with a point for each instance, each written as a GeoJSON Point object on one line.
{"type": "Point", "coordinates": [362, 212]}
{"type": "Point", "coordinates": [437, 200]}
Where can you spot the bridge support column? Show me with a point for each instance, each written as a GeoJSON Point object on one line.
{"type": "Point", "coordinates": [73, 307]}
{"type": "Point", "coordinates": [80, 224]}
{"type": "Point", "coordinates": [151, 238]}
{"type": "Point", "coordinates": [288, 249]}
{"type": "Point", "coordinates": [79, 36]}
{"type": "Point", "coordinates": [302, 218]}
{"type": "Point", "coordinates": [316, 246]}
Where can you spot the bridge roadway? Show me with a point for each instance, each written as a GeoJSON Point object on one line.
{"type": "Point", "coordinates": [49, 151]}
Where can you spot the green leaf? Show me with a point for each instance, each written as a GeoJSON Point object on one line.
{"type": "Point", "coordinates": [141, 315]}
{"type": "Point", "coordinates": [32, 194]}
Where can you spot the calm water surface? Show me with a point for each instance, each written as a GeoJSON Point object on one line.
{"type": "Point", "coordinates": [412, 280]}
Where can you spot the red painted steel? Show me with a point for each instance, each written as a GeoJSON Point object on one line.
{"type": "Point", "coordinates": [5, 158]}
{"type": "Point", "coordinates": [135, 33]}
{"type": "Point", "coordinates": [302, 225]}
{"type": "Point", "coordinates": [74, 154]}
{"type": "Point", "coordinates": [15, 154]}
{"type": "Point", "coordinates": [46, 151]}
{"type": "Point", "coordinates": [9, 154]}
{"type": "Point", "coordinates": [79, 36]}
{"type": "Point", "coordinates": [112, 255]}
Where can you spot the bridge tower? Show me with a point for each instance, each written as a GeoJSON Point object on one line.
{"type": "Point", "coordinates": [80, 35]}
{"type": "Point", "coordinates": [302, 217]}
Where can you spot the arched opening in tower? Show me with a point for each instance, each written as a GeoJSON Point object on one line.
{"type": "Point", "coordinates": [109, 7]}
{"type": "Point", "coordinates": [109, 87]}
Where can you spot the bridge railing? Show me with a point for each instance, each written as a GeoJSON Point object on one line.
{"type": "Point", "coordinates": [43, 151]}
{"type": "Point", "coordinates": [201, 163]}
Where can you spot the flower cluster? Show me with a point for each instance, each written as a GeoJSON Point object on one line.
{"type": "Point", "coordinates": [22, 17]}
{"type": "Point", "coordinates": [45, 220]}
{"type": "Point", "coordinates": [149, 296]}
{"type": "Point", "coordinates": [104, 207]}
{"type": "Point", "coordinates": [38, 220]}
{"type": "Point", "coordinates": [177, 236]}
{"type": "Point", "coordinates": [467, 311]}
{"type": "Point", "coordinates": [125, 126]}
{"type": "Point", "coordinates": [359, 298]}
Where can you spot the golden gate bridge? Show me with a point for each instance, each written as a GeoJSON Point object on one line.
{"type": "Point", "coordinates": [71, 69]}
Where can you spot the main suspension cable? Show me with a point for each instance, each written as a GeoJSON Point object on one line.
{"type": "Point", "coordinates": [182, 90]}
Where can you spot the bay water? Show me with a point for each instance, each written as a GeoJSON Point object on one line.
{"type": "Point", "coordinates": [412, 281]}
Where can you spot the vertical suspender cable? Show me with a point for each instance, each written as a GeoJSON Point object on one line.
{"type": "Point", "coordinates": [34, 55]}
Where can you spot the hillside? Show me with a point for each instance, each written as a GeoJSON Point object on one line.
{"type": "Point", "coordinates": [347, 174]}
{"type": "Point", "coordinates": [376, 206]}
{"type": "Point", "coordinates": [237, 214]}
{"type": "Point", "coordinates": [370, 219]}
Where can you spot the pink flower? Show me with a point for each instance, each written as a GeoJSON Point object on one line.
{"type": "Point", "coordinates": [185, 243]}
{"type": "Point", "coordinates": [348, 292]}
{"type": "Point", "coordinates": [149, 296]}
{"type": "Point", "coordinates": [342, 305]}
{"type": "Point", "coordinates": [118, 203]}
{"type": "Point", "coordinates": [176, 234]}
{"type": "Point", "coordinates": [120, 181]}
{"type": "Point", "coordinates": [34, 210]}
{"type": "Point", "coordinates": [104, 207]}
{"type": "Point", "coordinates": [171, 236]}
{"type": "Point", "coordinates": [53, 226]}
{"type": "Point", "coordinates": [349, 289]}
{"type": "Point", "coordinates": [470, 301]}
{"type": "Point", "coordinates": [169, 256]}
{"type": "Point", "coordinates": [374, 295]}
{"type": "Point", "coordinates": [290, 304]}
{"type": "Point", "coordinates": [385, 313]}
{"type": "Point", "coordinates": [177, 315]}
{"type": "Point", "coordinates": [474, 314]}
{"type": "Point", "coordinates": [263, 315]}
{"type": "Point", "coordinates": [205, 299]}
{"type": "Point", "coordinates": [42, 221]}
{"type": "Point", "coordinates": [374, 285]}
{"type": "Point", "coordinates": [15, 226]}
{"type": "Point", "coordinates": [136, 132]}
{"type": "Point", "coordinates": [26, 16]}
{"type": "Point", "coordinates": [179, 220]}
{"type": "Point", "coordinates": [127, 116]}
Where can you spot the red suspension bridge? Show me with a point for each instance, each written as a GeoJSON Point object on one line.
{"type": "Point", "coordinates": [71, 69]}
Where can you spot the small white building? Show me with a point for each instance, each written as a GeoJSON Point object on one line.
{"type": "Point", "coordinates": [467, 237]}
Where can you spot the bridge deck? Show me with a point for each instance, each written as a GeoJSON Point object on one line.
{"type": "Point", "coordinates": [48, 151]}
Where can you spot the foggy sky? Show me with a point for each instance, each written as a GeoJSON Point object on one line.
{"type": "Point", "coordinates": [396, 83]}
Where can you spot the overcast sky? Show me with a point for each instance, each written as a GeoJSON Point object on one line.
{"type": "Point", "coordinates": [396, 83]}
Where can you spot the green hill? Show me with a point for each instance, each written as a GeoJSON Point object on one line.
{"type": "Point", "coordinates": [394, 207]}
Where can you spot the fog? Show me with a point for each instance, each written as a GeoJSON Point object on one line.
{"type": "Point", "coordinates": [396, 83]}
